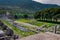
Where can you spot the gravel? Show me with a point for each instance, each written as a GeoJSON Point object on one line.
{"type": "Point", "coordinates": [43, 36]}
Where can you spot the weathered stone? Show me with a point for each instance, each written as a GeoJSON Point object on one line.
{"type": "Point", "coordinates": [1, 33]}
{"type": "Point", "coordinates": [9, 32]}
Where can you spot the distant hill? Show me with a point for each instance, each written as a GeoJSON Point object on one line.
{"type": "Point", "coordinates": [24, 5]}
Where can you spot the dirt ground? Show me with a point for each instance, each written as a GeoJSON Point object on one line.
{"type": "Point", "coordinates": [43, 36]}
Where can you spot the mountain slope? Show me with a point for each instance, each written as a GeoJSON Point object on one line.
{"type": "Point", "coordinates": [25, 5]}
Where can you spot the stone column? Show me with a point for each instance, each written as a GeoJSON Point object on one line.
{"type": "Point", "coordinates": [55, 29]}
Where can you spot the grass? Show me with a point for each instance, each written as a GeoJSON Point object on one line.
{"type": "Point", "coordinates": [30, 21]}
{"type": "Point", "coordinates": [30, 28]}
{"type": "Point", "coordinates": [37, 23]}
{"type": "Point", "coordinates": [16, 30]}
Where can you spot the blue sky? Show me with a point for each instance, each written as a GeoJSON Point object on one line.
{"type": "Point", "coordinates": [49, 1]}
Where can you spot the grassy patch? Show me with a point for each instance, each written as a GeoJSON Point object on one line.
{"type": "Point", "coordinates": [30, 21]}
{"type": "Point", "coordinates": [37, 23]}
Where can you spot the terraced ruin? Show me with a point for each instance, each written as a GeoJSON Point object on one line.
{"type": "Point", "coordinates": [24, 30]}
{"type": "Point", "coordinates": [17, 26]}
{"type": "Point", "coordinates": [6, 33]}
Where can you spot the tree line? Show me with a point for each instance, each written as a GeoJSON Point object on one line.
{"type": "Point", "coordinates": [50, 14]}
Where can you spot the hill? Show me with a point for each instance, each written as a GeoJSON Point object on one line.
{"type": "Point", "coordinates": [24, 5]}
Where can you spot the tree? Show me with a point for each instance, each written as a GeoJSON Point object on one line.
{"type": "Point", "coordinates": [25, 16]}
{"type": "Point", "coordinates": [15, 16]}
{"type": "Point", "coordinates": [48, 14]}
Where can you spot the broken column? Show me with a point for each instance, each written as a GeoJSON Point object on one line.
{"type": "Point", "coordinates": [55, 29]}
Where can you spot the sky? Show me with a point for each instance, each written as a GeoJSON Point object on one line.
{"type": "Point", "coordinates": [49, 1]}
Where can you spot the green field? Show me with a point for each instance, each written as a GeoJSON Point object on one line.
{"type": "Point", "coordinates": [36, 23]}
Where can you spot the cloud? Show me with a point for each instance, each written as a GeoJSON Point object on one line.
{"type": "Point", "coordinates": [49, 1]}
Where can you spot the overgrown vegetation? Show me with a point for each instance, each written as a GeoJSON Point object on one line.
{"type": "Point", "coordinates": [16, 30]}
{"type": "Point", "coordinates": [50, 14]}
{"type": "Point", "coordinates": [36, 23]}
